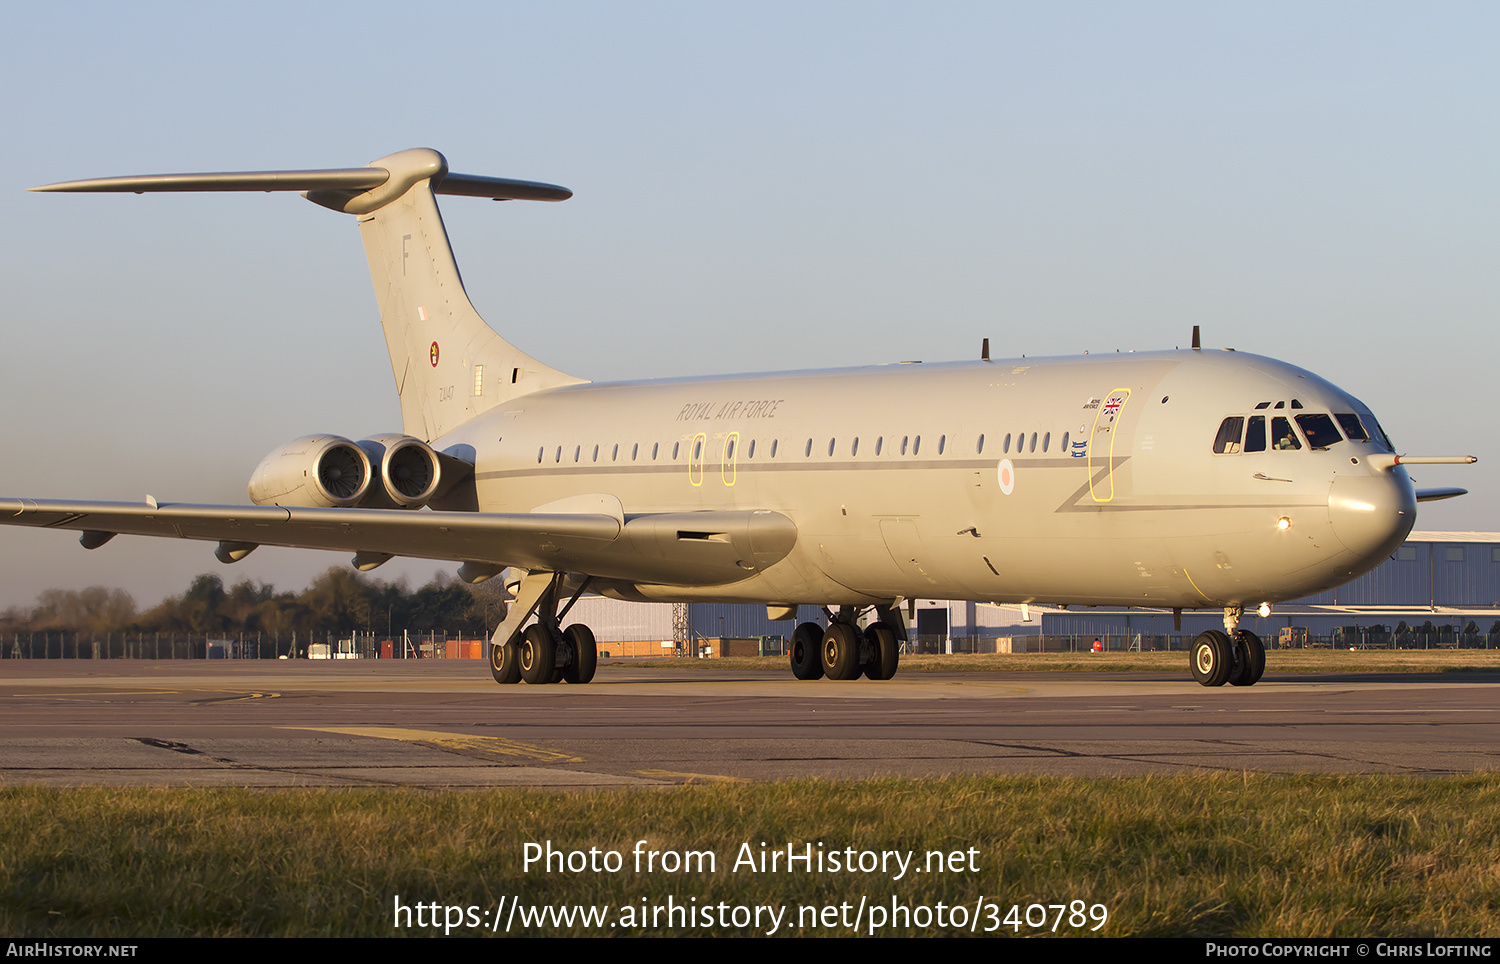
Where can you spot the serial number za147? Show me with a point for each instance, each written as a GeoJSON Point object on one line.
{"type": "Point", "coordinates": [1077, 914]}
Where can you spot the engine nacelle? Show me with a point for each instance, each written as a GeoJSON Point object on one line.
{"type": "Point", "coordinates": [324, 471]}
{"type": "Point", "coordinates": [409, 471]}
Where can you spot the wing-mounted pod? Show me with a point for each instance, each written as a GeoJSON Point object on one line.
{"type": "Point", "coordinates": [322, 471]}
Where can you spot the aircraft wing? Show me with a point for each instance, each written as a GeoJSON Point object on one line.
{"type": "Point", "coordinates": [677, 548]}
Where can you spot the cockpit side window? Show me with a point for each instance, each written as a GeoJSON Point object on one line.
{"type": "Point", "coordinates": [1282, 436]}
{"type": "Point", "coordinates": [1319, 430]}
{"type": "Point", "coordinates": [1228, 440]}
{"type": "Point", "coordinates": [1352, 427]}
{"type": "Point", "coordinates": [1383, 437]}
{"type": "Point", "coordinates": [1255, 438]}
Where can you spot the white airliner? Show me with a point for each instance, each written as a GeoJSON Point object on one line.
{"type": "Point", "coordinates": [1183, 479]}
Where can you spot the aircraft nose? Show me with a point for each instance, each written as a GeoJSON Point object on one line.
{"type": "Point", "coordinates": [1372, 515]}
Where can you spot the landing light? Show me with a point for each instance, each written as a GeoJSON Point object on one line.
{"type": "Point", "coordinates": [1264, 610]}
{"type": "Point", "coordinates": [1283, 523]}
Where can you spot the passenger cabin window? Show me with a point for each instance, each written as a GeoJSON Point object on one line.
{"type": "Point", "coordinates": [979, 448]}
{"type": "Point", "coordinates": [1006, 446]}
{"type": "Point", "coordinates": [1319, 430]}
{"type": "Point", "coordinates": [879, 443]}
{"type": "Point", "coordinates": [1227, 442]}
{"type": "Point", "coordinates": [1283, 439]}
{"type": "Point", "coordinates": [773, 448]}
{"type": "Point", "coordinates": [1046, 441]}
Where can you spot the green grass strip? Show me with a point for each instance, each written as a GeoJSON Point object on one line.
{"type": "Point", "coordinates": [1225, 855]}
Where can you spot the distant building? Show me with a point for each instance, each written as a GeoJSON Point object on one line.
{"type": "Point", "coordinates": [1448, 579]}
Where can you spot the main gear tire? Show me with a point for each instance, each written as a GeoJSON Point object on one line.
{"type": "Point", "coordinates": [585, 654]}
{"type": "Point", "coordinates": [505, 662]}
{"type": "Point", "coordinates": [884, 651]}
{"type": "Point", "coordinates": [538, 655]}
{"type": "Point", "coordinates": [840, 651]}
{"type": "Point", "coordinates": [807, 639]}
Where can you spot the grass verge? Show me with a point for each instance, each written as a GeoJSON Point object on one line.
{"type": "Point", "coordinates": [1224, 855]}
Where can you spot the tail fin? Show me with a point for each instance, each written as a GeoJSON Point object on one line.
{"type": "Point", "coordinates": [449, 365]}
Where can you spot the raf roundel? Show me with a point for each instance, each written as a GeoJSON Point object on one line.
{"type": "Point", "coordinates": [1007, 474]}
{"type": "Point", "coordinates": [432, 353]}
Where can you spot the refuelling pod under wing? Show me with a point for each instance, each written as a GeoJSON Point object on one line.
{"type": "Point", "coordinates": [320, 471]}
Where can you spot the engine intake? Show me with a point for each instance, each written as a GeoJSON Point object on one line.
{"type": "Point", "coordinates": [324, 471]}
{"type": "Point", "coordinates": [410, 471]}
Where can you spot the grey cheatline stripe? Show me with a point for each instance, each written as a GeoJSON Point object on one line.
{"type": "Point", "coordinates": [804, 465]}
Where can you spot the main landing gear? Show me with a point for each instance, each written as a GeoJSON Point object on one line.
{"type": "Point", "coordinates": [1235, 656]}
{"type": "Point", "coordinates": [843, 650]}
{"type": "Point", "coordinates": [544, 652]}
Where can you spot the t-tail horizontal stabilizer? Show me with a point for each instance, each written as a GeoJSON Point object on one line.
{"type": "Point", "coordinates": [448, 364]}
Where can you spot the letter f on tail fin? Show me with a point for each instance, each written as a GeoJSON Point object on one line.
{"type": "Point", "coordinates": [448, 364]}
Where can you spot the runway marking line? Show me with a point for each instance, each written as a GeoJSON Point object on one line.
{"type": "Point", "coordinates": [450, 741]}
{"type": "Point", "coordinates": [691, 777]}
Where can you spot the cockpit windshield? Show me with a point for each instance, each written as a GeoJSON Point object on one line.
{"type": "Point", "coordinates": [1287, 433]}
{"type": "Point", "coordinates": [1319, 430]}
{"type": "Point", "coordinates": [1352, 427]}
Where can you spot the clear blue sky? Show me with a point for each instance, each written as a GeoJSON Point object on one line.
{"type": "Point", "coordinates": [759, 186]}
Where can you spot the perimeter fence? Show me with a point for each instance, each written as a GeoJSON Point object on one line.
{"type": "Point", "coordinates": [65, 645]}
{"type": "Point", "coordinates": [1442, 637]}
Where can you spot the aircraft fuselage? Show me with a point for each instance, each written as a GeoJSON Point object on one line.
{"type": "Point", "coordinates": [1087, 480]}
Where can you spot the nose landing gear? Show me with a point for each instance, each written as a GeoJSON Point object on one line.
{"type": "Point", "coordinates": [1235, 656]}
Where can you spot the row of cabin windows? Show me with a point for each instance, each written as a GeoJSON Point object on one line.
{"type": "Point", "coordinates": [1239, 434]}
{"type": "Point", "coordinates": [908, 444]}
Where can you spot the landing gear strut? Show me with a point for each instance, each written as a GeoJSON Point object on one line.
{"type": "Point", "coordinates": [1235, 656]}
{"type": "Point", "coordinates": [543, 652]}
{"type": "Point", "coordinates": [843, 651]}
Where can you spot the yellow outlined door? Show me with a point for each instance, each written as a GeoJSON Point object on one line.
{"type": "Point", "coordinates": [1102, 442]}
{"type": "Point", "coordinates": [695, 458]}
{"type": "Point", "coordinates": [728, 464]}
